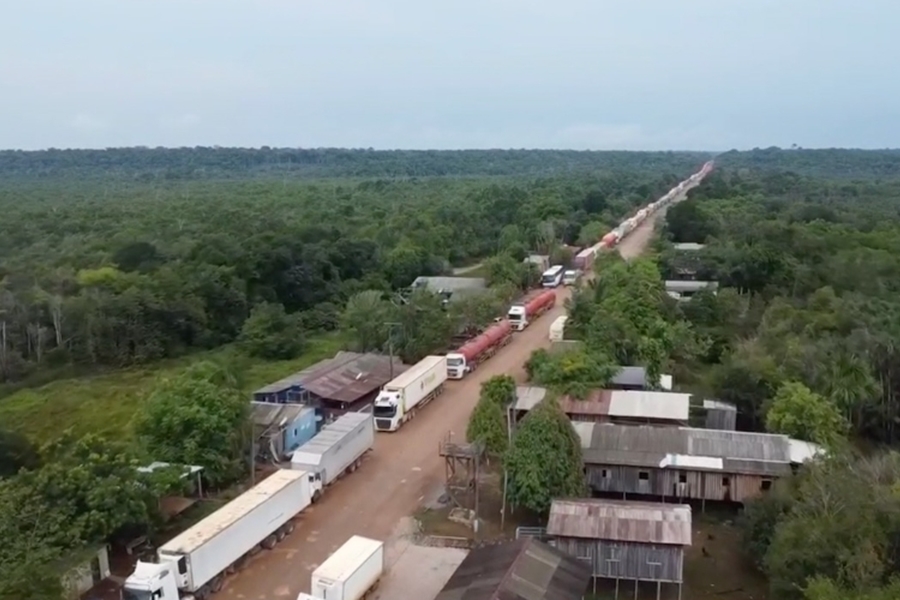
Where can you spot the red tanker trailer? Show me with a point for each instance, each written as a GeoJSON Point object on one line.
{"type": "Point", "coordinates": [610, 239]}
{"type": "Point", "coordinates": [530, 307]}
{"type": "Point", "coordinates": [477, 350]}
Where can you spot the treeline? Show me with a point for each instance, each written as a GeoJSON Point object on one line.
{"type": "Point", "coordinates": [167, 164]}
{"type": "Point", "coordinates": [115, 275]}
{"type": "Point", "coordinates": [804, 335]}
{"type": "Point", "coordinates": [825, 163]}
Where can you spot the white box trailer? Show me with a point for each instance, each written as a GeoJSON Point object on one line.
{"type": "Point", "coordinates": [558, 328]}
{"type": "Point", "coordinates": [336, 449]}
{"type": "Point", "coordinates": [351, 572]}
{"type": "Point", "coordinates": [195, 562]}
{"type": "Point", "coordinates": [400, 398]}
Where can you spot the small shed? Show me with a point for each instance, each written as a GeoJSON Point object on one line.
{"type": "Point", "coordinates": [522, 570]}
{"type": "Point", "coordinates": [635, 378]}
{"type": "Point", "coordinates": [638, 541]}
{"type": "Point", "coordinates": [683, 290]}
{"type": "Point", "coordinates": [85, 570]}
{"type": "Point", "coordinates": [281, 428]}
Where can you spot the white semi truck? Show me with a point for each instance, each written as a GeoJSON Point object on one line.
{"type": "Point", "coordinates": [337, 449]}
{"type": "Point", "coordinates": [192, 565]}
{"type": "Point", "coordinates": [400, 398]}
{"type": "Point", "coordinates": [350, 573]}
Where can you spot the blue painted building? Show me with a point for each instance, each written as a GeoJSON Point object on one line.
{"type": "Point", "coordinates": [281, 428]}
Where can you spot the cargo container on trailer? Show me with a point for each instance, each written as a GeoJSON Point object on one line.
{"type": "Point", "coordinates": [400, 398]}
{"type": "Point", "coordinates": [571, 276]}
{"type": "Point", "coordinates": [467, 357]}
{"type": "Point", "coordinates": [194, 563]}
{"type": "Point", "coordinates": [351, 572]}
{"type": "Point", "coordinates": [558, 328]}
{"type": "Point", "coordinates": [337, 449]}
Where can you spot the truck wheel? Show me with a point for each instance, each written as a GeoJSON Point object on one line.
{"type": "Point", "coordinates": [316, 495]}
{"type": "Point", "coordinates": [269, 542]}
{"type": "Point", "coordinates": [216, 585]}
{"type": "Point", "coordinates": [289, 528]}
{"type": "Point", "coordinates": [279, 535]}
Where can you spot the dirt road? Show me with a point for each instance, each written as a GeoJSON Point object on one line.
{"type": "Point", "coordinates": [398, 475]}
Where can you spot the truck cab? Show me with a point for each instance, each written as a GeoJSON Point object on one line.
{"type": "Point", "coordinates": [456, 366]}
{"type": "Point", "coordinates": [517, 317]}
{"type": "Point", "coordinates": [571, 276]}
{"type": "Point", "coordinates": [386, 410]}
{"type": "Point", "coordinates": [154, 581]}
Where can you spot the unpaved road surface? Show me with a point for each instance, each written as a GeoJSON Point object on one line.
{"type": "Point", "coordinates": [403, 470]}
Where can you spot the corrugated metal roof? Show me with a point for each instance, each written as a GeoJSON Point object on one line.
{"type": "Point", "coordinates": [638, 522]}
{"type": "Point", "coordinates": [520, 570]}
{"type": "Point", "coordinates": [666, 406]}
{"type": "Point", "coordinates": [527, 397]}
{"type": "Point", "coordinates": [449, 284]}
{"type": "Point", "coordinates": [309, 373]}
{"type": "Point", "coordinates": [690, 286]}
{"type": "Point", "coordinates": [266, 414]}
{"type": "Point", "coordinates": [354, 378]}
{"type": "Point", "coordinates": [596, 403]}
{"type": "Point", "coordinates": [645, 446]}
{"type": "Point", "coordinates": [802, 451]}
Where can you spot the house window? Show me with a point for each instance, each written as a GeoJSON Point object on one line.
{"type": "Point", "coordinates": [644, 476]}
{"type": "Point", "coordinates": [765, 485]}
{"type": "Point", "coordinates": [682, 478]}
{"type": "Point", "coordinates": [604, 474]}
{"type": "Point", "coordinates": [726, 481]}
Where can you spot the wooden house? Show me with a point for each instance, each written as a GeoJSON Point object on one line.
{"type": "Point", "coordinates": [683, 462]}
{"type": "Point", "coordinates": [637, 541]}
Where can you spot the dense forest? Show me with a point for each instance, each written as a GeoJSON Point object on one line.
{"type": "Point", "coordinates": [114, 273]}
{"type": "Point", "coordinates": [804, 337]}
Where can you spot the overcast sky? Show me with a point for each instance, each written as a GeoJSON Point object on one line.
{"type": "Point", "coordinates": [582, 74]}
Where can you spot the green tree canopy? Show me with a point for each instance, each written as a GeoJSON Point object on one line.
{"type": "Point", "coordinates": [544, 460]}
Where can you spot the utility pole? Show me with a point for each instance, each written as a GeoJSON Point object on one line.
{"type": "Point", "coordinates": [391, 326]}
{"type": "Point", "coordinates": [509, 433]}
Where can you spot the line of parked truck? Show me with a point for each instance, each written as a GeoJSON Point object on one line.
{"type": "Point", "coordinates": [194, 564]}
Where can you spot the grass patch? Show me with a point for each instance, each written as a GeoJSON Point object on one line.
{"type": "Point", "coordinates": [106, 403]}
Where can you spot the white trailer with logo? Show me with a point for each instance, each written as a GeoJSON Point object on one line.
{"type": "Point", "coordinates": [351, 572]}
{"type": "Point", "coordinates": [193, 564]}
{"type": "Point", "coordinates": [400, 398]}
{"type": "Point", "coordinates": [337, 449]}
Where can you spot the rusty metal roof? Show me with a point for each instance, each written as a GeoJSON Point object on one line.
{"type": "Point", "coordinates": [663, 406]}
{"type": "Point", "coordinates": [352, 378]}
{"type": "Point", "coordinates": [520, 570]}
{"type": "Point", "coordinates": [637, 522]}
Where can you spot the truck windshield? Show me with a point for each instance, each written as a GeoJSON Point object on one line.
{"type": "Point", "coordinates": [128, 594]}
{"type": "Point", "coordinates": [384, 411]}
{"type": "Point", "coordinates": [454, 362]}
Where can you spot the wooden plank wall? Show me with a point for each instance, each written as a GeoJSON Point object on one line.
{"type": "Point", "coordinates": [624, 560]}
{"type": "Point", "coordinates": [676, 484]}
